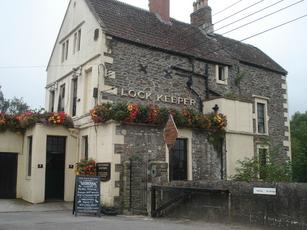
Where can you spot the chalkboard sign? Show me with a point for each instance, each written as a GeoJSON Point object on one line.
{"type": "Point", "coordinates": [87, 195]}
{"type": "Point", "coordinates": [104, 171]}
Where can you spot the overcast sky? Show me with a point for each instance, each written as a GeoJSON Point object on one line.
{"type": "Point", "coordinates": [29, 29]}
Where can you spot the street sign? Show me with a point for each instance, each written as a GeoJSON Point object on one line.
{"type": "Point", "coordinates": [265, 191]}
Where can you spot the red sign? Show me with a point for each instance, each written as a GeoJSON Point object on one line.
{"type": "Point", "coordinates": [170, 132]}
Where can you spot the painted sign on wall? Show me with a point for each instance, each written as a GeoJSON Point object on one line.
{"type": "Point", "coordinates": [149, 96]}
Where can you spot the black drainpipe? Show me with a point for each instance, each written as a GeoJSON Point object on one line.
{"type": "Point", "coordinates": [207, 81]}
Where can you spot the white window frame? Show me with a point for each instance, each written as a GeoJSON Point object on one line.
{"type": "Point", "coordinates": [225, 74]}
{"type": "Point", "coordinates": [65, 50]}
{"type": "Point", "coordinates": [262, 100]}
{"type": "Point", "coordinates": [77, 41]}
{"type": "Point", "coordinates": [183, 134]}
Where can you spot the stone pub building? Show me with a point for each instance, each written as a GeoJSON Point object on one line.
{"type": "Point", "coordinates": [109, 51]}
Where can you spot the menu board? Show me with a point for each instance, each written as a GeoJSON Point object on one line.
{"type": "Point", "coordinates": [104, 171]}
{"type": "Point", "coordinates": [87, 195]}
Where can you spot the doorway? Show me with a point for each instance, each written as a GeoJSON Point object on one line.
{"type": "Point", "coordinates": [8, 175]}
{"type": "Point", "coordinates": [55, 168]}
{"type": "Point", "coordinates": [178, 161]}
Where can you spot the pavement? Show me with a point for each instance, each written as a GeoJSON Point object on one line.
{"type": "Point", "coordinates": [23, 206]}
{"type": "Point", "coordinates": [19, 215]}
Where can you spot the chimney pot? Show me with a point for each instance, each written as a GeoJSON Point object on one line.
{"type": "Point", "coordinates": [202, 16]}
{"type": "Point", "coordinates": [160, 7]}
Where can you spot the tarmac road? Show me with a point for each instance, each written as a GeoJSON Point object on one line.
{"type": "Point", "coordinates": [64, 220]}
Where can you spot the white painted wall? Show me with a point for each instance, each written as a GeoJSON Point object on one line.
{"type": "Point", "coordinates": [239, 131]}
{"type": "Point", "coordinates": [89, 58]}
{"type": "Point", "coordinates": [238, 148]}
{"type": "Point", "coordinates": [239, 114]}
{"type": "Point", "coordinates": [12, 143]}
{"type": "Point", "coordinates": [102, 139]}
{"type": "Point", "coordinates": [32, 189]}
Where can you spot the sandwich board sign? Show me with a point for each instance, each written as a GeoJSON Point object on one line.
{"type": "Point", "coordinates": [87, 195]}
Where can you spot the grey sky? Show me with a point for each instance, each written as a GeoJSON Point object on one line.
{"type": "Point", "coordinates": [29, 29]}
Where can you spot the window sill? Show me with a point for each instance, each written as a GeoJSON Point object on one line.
{"type": "Point", "coordinates": [221, 82]}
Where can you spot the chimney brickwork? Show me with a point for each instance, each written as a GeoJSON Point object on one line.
{"type": "Point", "coordinates": [162, 8]}
{"type": "Point", "coordinates": [202, 16]}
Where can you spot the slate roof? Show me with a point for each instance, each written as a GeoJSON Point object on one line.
{"type": "Point", "coordinates": [143, 27]}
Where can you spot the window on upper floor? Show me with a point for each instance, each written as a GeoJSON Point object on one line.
{"type": "Point", "coordinates": [51, 100]}
{"type": "Point", "coordinates": [65, 46]}
{"type": "Point", "coordinates": [77, 41]}
{"type": "Point", "coordinates": [61, 102]}
{"type": "Point", "coordinates": [74, 91]}
{"type": "Point", "coordinates": [84, 153]}
{"type": "Point", "coordinates": [261, 114]}
{"type": "Point", "coordinates": [96, 34]}
{"type": "Point", "coordinates": [221, 74]}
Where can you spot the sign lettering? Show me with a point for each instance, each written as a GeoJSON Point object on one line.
{"type": "Point", "coordinates": [158, 98]}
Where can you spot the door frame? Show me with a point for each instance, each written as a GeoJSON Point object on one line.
{"type": "Point", "coordinates": [64, 173]}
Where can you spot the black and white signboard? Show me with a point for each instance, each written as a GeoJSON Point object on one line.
{"type": "Point", "coordinates": [87, 195]}
{"type": "Point", "coordinates": [104, 171]}
{"type": "Point", "coordinates": [265, 191]}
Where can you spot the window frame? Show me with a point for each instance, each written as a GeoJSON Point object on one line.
{"type": "Point", "coordinates": [61, 101]}
{"type": "Point", "coordinates": [264, 101]}
{"type": "Point", "coordinates": [85, 147]}
{"type": "Point", "coordinates": [225, 74]}
{"type": "Point", "coordinates": [74, 96]}
{"type": "Point", "coordinates": [51, 100]}
{"type": "Point", "coordinates": [29, 156]}
{"type": "Point", "coordinates": [267, 157]}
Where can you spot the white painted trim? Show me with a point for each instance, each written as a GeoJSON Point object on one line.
{"type": "Point", "coordinates": [225, 82]}
{"type": "Point", "coordinates": [259, 99]}
{"type": "Point", "coordinates": [287, 134]}
{"type": "Point", "coordinates": [285, 96]}
{"type": "Point", "coordinates": [285, 105]}
{"type": "Point", "coordinates": [284, 78]}
{"type": "Point", "coordinates": [184, 134]}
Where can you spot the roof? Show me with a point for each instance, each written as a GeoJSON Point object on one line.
{"type": "Point", "coordinates": [143, 27]}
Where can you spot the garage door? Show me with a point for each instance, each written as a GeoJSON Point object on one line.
{"type": "Point", "coordinates": [8, 175]}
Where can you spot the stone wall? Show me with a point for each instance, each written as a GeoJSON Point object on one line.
{"type": "Point", "coordinates": [256, 81]}
{"type": "Point", "coordinates": [286, 210]}
{"type": "Point", "coordinates": [144, 161]}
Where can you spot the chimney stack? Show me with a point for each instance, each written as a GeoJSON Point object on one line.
{"type": "Point", "coordinates": [161, 8]}
{"type": "Point", "coordinates": [202, 16]}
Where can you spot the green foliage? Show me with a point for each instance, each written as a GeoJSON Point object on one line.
{"type": "Point", "coordinates": [153, 114]}
{"type": "Point", "coordinates": [299, 146]}
{"type": "Point", "coordinates": [13, 106]}
{"type": "Point", "coordinates": [274, 171]}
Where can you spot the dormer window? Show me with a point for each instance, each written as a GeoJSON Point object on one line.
{"type": "Point", "coordinates": [221, 74]}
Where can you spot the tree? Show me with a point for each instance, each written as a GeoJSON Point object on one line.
{"type": "Point", "coordinates": [299, 146]}
{"type": "Point", "coordinates": [273, 171]}
{"type": "Point", "coordinates": [13, 106]}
